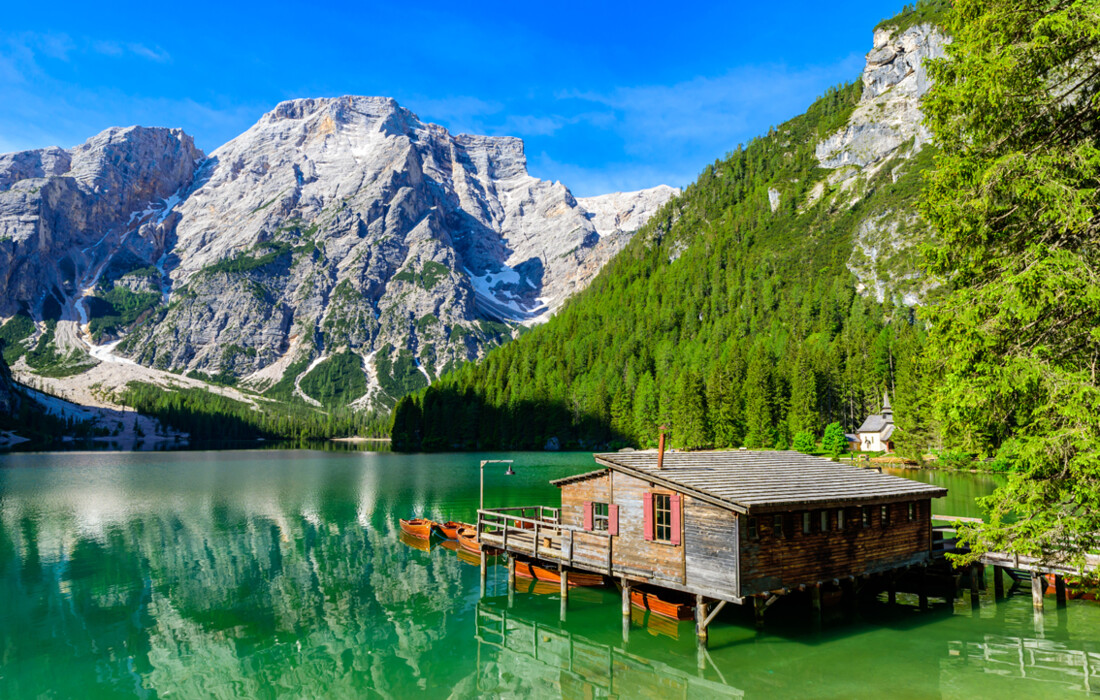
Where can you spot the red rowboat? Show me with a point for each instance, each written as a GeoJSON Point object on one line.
{"type": "Point", "coordinates": [418, 527]}
{"type": "Point", "coordinates": [671, 609]}
{"type": "Point", "coordinates": [576, 578]}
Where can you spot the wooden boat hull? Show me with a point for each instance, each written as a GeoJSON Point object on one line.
{"type": "Point", "coordinates": [417, 527]}
{"type": "Point", "coordinates": [467, 539]}
{"type": "Point", "coordinates": [576, 578]}
{"type": "Point", "coordinates": [450, 528]}
{"type": "Point", "coordinates": [647, 600]}
{"type": "Point", "coordinates": [1072, 592]}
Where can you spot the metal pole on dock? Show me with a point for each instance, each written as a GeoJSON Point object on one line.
{"type": "Point", "coordinates": [1038, 589]}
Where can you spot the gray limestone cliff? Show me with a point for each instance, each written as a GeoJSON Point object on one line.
{"type": "Point", "coordinates": [886, 135]}
{"type": "Point", "coordinates": [332, 229]}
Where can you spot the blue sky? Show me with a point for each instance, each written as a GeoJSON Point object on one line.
{"type": "Point", "coordinates": [607, 96]}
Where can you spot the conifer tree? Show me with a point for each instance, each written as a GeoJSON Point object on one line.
{"type": "Point", "coordinates": [1015, 196]}
{"type": "Point", "coordinates": [760, 427]}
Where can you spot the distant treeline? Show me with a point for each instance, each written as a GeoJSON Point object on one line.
{"type": "Point", "coordinates": [205, 415]}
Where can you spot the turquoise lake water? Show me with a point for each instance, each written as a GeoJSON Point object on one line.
{"type": "Point", "coordinates": [282, 573]}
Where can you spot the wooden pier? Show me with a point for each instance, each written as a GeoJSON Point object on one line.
{"type": "Point", "coordinates": [1019, 569]}
{"type": "Point", "coordinates": [724, 527]}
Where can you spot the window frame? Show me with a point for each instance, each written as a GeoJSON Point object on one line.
{"type": "Point", "coordinates": [884, 516]}
{"type": "Point", "coordinates": [912, 511]}
{"type": "Point", "coordinates": [823, 521]}
{"type": "Point", "coordinates": [753, 528]}
{"type": "Point", "coordinates": [601, 522]}
{"type": "Point", "coordinates": [807, 522]}
{"type": "Point", "coordinates": [840, 519]}
{"type": "Point", "coordinates": [777, 527]}
{"type": "Point", "coordinates": [867, 517]}
{"type": "Point", "coordinates": [662, 507]}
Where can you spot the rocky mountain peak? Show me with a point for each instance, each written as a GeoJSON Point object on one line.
{"type": "Point", "coordinates": [333, 233]}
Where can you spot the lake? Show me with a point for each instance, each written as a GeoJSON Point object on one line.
{"type": "Point", "coordinates": [282, 573]}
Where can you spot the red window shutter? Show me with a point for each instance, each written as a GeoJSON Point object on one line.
{"type": "Point", "coordinates": [588, 515]}
{"type": "Point", "coordinates": [647, 516]}
{"type": "Point", "coordinates": [675, 519]}
{"type": "Point", "coordinates": [613, 519]}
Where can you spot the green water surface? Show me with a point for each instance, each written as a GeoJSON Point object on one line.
{"type": "Point", "coordinates": [263, 574]}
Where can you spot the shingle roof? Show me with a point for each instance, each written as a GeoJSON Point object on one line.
{"type": "Point", "coordinates": [751, 481]}
{"type": "Point", "coordinates": [578, 477]}
{"type": "Point", "coordinates": [874, 423]}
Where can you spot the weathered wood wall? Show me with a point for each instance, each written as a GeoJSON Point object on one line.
{"type": "Point", "coordinates": [710, 535]}
{"type": "Point", "coordinates": [769, 563]}
{"type": "Point", "coordinates": [596, 489]}
{"type": "Point", "coordinates": [707, 559]}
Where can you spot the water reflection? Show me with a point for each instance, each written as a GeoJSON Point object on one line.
{"type": "Point", "coordinates": [243, 574]}
{"type": "Point", "coordinates": [534, 659]}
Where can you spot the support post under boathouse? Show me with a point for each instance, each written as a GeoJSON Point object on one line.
{"type": "Point", "coordinates": [737, 527]}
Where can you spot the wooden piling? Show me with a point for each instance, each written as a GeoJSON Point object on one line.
{"type": "Point", "coordinates": [975, 578]}
{"type": "Point", "coordinates": [759, 605]}
{"type": "Point", "coordinates": [998, 582]}
{"type": "Point", "coordinates": [626, 598]}
{"type": "Point", "coordinates": [701, 620]}
{"type": "Point", "coordinates": [1038, 589]}
{"type": "Point", "coordinates": [922, 588]}
{"type": "Point", "coordinates": [1060, 590]}
{"type": "Point", "coordinates": [564, 591]}
{"type": "Point", "coordinates": [484, 572]}
{"type": "Point", "coordinates": [815, 605]}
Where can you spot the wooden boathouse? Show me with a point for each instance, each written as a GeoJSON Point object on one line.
{"type": "Point", "coordinates": [726, 527]}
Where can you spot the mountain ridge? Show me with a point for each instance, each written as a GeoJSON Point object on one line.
{"type": "Point", "coordinates": [333, 226]}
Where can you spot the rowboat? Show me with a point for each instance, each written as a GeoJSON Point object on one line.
{"type": "Point", "coordinates": [669, 607]}
{"type": "Point", "coordinates": [1074, 589]}
{"type": "Point", "coordinates": [467, 538]}
{"type": "Point", "coordinates": [450, 528]}
{"type": "Point", "coordinates": [576, 578]}
{"type": "Point", "coordinates": [417, 527]}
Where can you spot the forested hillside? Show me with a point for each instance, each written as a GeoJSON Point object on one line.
{"type": "Point", "coordinates": [731, 317]}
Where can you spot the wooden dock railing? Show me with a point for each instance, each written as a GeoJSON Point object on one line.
{"type": "Point", "coordinates": [544, 537]}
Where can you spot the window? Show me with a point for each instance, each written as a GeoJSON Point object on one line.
{"type": "Point", "coordinates": [912, 512]}
{"type": "Point", "coordinates": [824, 520]}
{"type": "Point", "coordinates": [600, 512]}
{"type": "Point", "coordinates": [807, 523]}
{"type": "Point", "coordinates": [884, 516]}
{"type": "Point", "coordinates": [777, 526]}
{"type": "Point", "coordinates": [866, 516]}
{"type": "Point", "coordinates": [662, 517]}
{"type": "Point", "coordinates": [753, 532]}
{"type": "Point", "coordinates": [839, 518]}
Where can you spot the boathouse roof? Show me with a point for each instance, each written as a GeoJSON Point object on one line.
{"type": "Point", "coordinates": [755, 482]}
